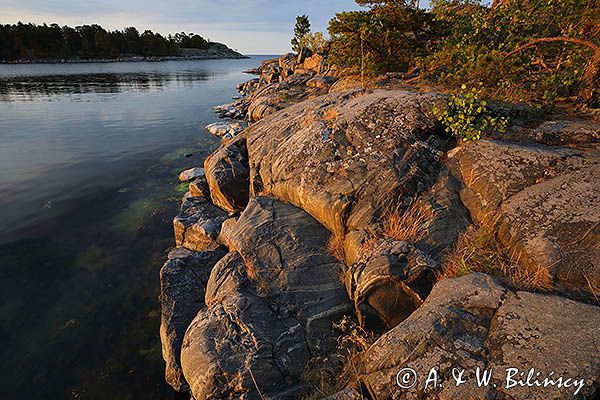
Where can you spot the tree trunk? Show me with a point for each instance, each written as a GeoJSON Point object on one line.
{"type": "Point", "coordinates": [589, 90]}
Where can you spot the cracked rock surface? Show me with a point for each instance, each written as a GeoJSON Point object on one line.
{"type": "Point", "coordinates": [345, 158]}
{"type": "Point", "coordinates": [472, 322]}
{"type": "Point", "coordinates": [544, 201]}
{"type": "Point", "coordinates": [271, 305]}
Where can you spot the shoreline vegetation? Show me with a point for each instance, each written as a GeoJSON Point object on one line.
{"type": "Point", "coordinates": [52, 44]}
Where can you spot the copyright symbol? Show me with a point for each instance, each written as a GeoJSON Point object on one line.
{"type": "Point", "coordinates": [406, 378]}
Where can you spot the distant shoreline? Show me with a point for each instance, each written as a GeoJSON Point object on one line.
{"type": "Point", "coordinates": [121, 59]}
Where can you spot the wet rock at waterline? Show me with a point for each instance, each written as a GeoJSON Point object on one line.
{"type": "Point", "coordinates": [228, 174]}
{"type": "Point", "coordinates": [225, 129]}
{"type": "Point", "coordinates": [199, 188]}
{"type": "Point", "coordinates": [191, 174]}
{"type": "Point", "coordinates": [198, 224]}
{"type": "Point", "coordinates": [473, 322]}
{"type": "Point", "coordinates": [183, 281]}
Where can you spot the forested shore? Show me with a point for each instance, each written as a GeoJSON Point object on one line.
{"type": "Point", "coordinates": [21, 43]}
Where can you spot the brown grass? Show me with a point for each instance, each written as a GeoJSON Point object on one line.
{"type": "Point", "coordinates": [410, 225]}
{"type": "Point", "coordinates": [335, 246]}
{"type": "Point", "coordinates": [262, 287]}
{"type": "Point", "coordinates": [479, 250]}
{"type": "Point", "coordinates": [334, 372]}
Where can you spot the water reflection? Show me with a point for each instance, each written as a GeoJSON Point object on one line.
{"type": "Point", "coordinates": [88, 188]}
{"type": "Point", "coordinates": [31, 88]}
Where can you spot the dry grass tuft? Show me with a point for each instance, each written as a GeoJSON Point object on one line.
{"type": "Point", "coordinates": [262, 287]}
{"type": "Point", "coordinates": [335, 246]}
{"type": "Point", "coordinates": [479, 250]}
{"type": "Point", "coordinates": [410, 225]}
{"type": "Point", "coordinates": [334, 372]}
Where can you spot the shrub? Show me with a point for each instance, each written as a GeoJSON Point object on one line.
{"type": "Point", "coordinates": [536, 50]}
{"type": "Point", "coordinates": [410, 225]}
{"type": "Point", "coordinates": [468, 117]}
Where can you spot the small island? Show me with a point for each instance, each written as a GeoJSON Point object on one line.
{"type": "Point", "coordinates": [31, 43]}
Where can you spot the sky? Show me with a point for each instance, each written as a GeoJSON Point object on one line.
{"type": "Point", "coordinates": [250, 26]}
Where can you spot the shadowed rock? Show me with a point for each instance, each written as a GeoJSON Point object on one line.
{"type": "Point", "coordinates": [198, 224]}
{"type": "Point", "coordinates": [227, 175]}
{"type": "Point", "coordinates": [388, 283]}
{"type": "Point", "coordinates": [182, 286]}
{"type": "Point", "coordinates": [271, 305]}
{"type": "Point", "coordinates": [287, 249]}
{"type": "Point", "coordinates": [473, 322]}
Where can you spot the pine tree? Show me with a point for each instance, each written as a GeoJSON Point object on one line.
{"type": "Point", "coordinates": [301, 29]}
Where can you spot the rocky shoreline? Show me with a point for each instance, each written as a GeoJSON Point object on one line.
{"type": "Point", "coordinates": [330, 200]}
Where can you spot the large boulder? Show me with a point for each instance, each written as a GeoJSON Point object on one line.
{"type": "Point", "coordinates": [544, 202]}
{"type": "Point", "coordinates": [227, 174]}
{"type": "Point", "coordinates": [198, 224]}
{"type": "Point", "coordinates": [271, 305]}
{"type": "Point", "coordinates": [347, 158]}
{"type": "Point", "coordinates": [241, 344]}
{"type": "Point", "coordinates": [183, 281]}
{"type": "Point", "coordinates": [473, 322]}
{"type": "Point", "coordinates": [317, 63]}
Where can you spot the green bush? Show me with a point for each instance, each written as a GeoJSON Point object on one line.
{"type": "Point", "coordinates": [532, 51]}
{"type": "Point", "coordinates": [468, 117]}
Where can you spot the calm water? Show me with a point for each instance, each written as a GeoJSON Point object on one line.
{"type": "Point", "coordinates": [88, 187]}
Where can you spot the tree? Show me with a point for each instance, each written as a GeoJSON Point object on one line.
{"type": "Point", "coordinates": [36, 42]}
{"type": "Point", "coordinates": [386, 37]}
{"type": "Point", "coordinates": [301, 29]}
{"type": "Point", "coordinates": [315, 42]}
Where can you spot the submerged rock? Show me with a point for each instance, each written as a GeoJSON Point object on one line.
{"type": "Point", "coordinates": [227, 173]}
{"type": "Point", "coordinates": [271, 305]}
{"type": "Point", "coordinates": [473, 322]}
{"type": "Point", "coordinates": [182, 286]}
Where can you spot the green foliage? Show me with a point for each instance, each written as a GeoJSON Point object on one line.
{"type": "Point", "coordinates": [385, 37]}
{"type": "Point", "coordinates": [468, 117]}
{"type": "Point", "coordinates": [38, 42]}
{"type": "Point", "coordinates": [501, 46]}
{"type": "Point", "coordinates": [315, 42]}
{"type": "Point", "coordinates": [301, 29]}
